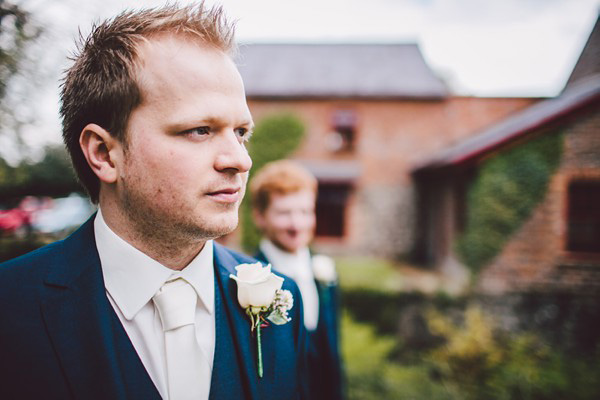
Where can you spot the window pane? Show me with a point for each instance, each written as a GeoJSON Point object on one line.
{"type": "Point", "coordinates": [331, 209]}
{"type": "Point", "coordinates": [584, 217]}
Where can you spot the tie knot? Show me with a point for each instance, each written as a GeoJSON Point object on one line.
{"type": "Point", "coordinates": [176, 304]}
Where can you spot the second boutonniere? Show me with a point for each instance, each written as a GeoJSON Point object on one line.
{"type": "Point", "coordinates": [259, 293]}
{"type": "Point", "coordinates": [324, 269]}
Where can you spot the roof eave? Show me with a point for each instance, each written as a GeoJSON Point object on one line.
{"type": "Point", "coordinates": [472, 157]}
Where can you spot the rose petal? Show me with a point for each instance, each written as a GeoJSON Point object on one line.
{"type": "Point", "coordinates": [256, 285]}
{"type": "Point", "coordinates": [243, 294]}
{"type": "Point", "coordinates": [252, 272]}
{"type": "Point", "coordinates": [260, 294]}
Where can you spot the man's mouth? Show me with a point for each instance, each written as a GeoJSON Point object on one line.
{"type": "Point", "coordinates": [226, 195]}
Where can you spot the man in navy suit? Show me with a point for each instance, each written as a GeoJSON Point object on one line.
{"type": "Point", "coordinates": [156, 121]}
{"type": "Point", "coordinates": [283, 197]}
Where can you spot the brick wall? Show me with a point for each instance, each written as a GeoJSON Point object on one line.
{"type": "Point", "coordinates": [535, 257]}
{"type": "Point", "coordinates": [392, 136]}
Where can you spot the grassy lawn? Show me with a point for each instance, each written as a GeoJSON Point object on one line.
{"type": "Point", "coordinates": [368, 273]}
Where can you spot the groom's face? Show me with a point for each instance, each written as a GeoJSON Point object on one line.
{"type": "Point", "coordinates": [185, 165]}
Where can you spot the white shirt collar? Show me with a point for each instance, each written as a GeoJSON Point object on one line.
{"type": "Point", "coordinates": [285, 262]}
{"type": "Point", "coordinates": [132, 278]}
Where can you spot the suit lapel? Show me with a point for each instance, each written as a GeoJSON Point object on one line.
{"type": "Point", "coordinates": [95, 353]}
{"type": "Point", "coordinates": [260, 256]}
{"type": "Point", "coordinates": [234, 344]}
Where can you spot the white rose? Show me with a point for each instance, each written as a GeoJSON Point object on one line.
{"type": "Point", "coordinates": [256, 285]}
{"type": "Point", "coordinates": [324, 268]}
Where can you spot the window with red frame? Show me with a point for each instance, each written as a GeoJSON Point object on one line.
{"type": "Point", "coordinates": [343, 134]}
{"type": "Point", "coordinates": [583, 231]}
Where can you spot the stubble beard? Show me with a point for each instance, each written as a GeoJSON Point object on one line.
{"type": "Point", "coordinates": [159, 228]}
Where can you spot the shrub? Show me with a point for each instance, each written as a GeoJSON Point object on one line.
{"type": "Point", "coordinates": [371, 374]}
{"type": "Point", "coordinates": [503, 195]}
{"type": "Point", "coordinates": [480, 362]}
{"type": "Point", "coordinates": [470, 355]}
{"type": "Point", "coordinates": [413, 346]}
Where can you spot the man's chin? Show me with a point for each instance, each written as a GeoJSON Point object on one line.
{"type": "Point", "coordinates": [286, 246]}
{"type": "Point", "coordinates": [221, 228]}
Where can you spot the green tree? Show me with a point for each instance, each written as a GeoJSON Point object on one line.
{"type": "Point", "coordinates": [17, 32]}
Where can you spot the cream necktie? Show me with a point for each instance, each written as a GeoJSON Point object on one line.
{"type": "Point", "coordinates": [188, 372]}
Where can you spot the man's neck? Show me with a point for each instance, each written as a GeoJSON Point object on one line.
{"type": "Point", "coordinates": [173, 253]}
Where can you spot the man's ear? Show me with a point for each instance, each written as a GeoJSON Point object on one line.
{"type": "Point", "coordinates": [102, 151]}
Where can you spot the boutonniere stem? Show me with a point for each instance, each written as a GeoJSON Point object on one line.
{"type": "Point", "coordinates": [259, 293]}
{"type": "Point", "coordinates": [259, 349]}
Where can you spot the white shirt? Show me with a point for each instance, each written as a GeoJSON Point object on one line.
{"type": "Point", "coordinates": [132, 278]}
{"type": "Point", "coordinates": [298, 267]}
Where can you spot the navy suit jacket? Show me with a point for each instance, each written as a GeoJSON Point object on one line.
{"type": "Point", "coordinates": [61, 339]}
{"type": "Point", "coordinates": [325, 375]}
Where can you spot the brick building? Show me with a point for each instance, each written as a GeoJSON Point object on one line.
{"type": "Point", "coordinates": [370, 113]}
{"type": "Point", "coordinates": [557, 247]}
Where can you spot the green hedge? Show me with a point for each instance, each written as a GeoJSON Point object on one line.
{"type": "Point", "coordinates": [453, 350]}
{"type": "Point", "coordinates": [400, 345]}
{"type": "Point", "coordinates": [504, 194]}
{"type": "Point", "coordinates": [275, 137]}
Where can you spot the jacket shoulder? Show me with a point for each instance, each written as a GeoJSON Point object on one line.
{"type": "Point", "coordinates": [32, 262]}
{"type": "Point", "coordinates": [238, 257]}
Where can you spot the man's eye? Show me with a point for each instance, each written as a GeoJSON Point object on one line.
{"type": "Point", "coordinates": [243, 133]}
{"type": "Point", "coordinates": [201, 130]}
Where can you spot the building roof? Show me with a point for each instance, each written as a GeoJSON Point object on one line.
{"type": "Point", "coordinates": [337, 70]}
{"type": "Point", "coordinates": [538, 116]}
{"type": "Point", "coordinates": [589, 61]}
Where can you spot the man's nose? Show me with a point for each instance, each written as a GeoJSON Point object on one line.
{"type": "Point", "coordinates": [297, 220]}
{"type": "Point", "coordinates": [232, 154]}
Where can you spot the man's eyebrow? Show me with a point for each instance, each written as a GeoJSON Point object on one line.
{"type": "Point", "coordinates": [246, 123]}
{"type": "Point", "coordinates": [209, 121]}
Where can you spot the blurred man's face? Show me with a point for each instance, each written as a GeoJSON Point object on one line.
{"type": "Point", "coordinates": [186, 165]}
{"type": "Point", "coordinates": [289, 221]}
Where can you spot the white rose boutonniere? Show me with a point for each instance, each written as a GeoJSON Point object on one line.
{"type": "Point", "coordinates": [259, 293]}
{"type": "Point", "coordinates": [324, 269]}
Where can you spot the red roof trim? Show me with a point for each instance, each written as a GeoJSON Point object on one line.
{"type": "Point", "coordinates": [542, 124]}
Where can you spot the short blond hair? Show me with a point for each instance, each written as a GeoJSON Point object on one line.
{"type": "Point", "coordinates": [279, 177]}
